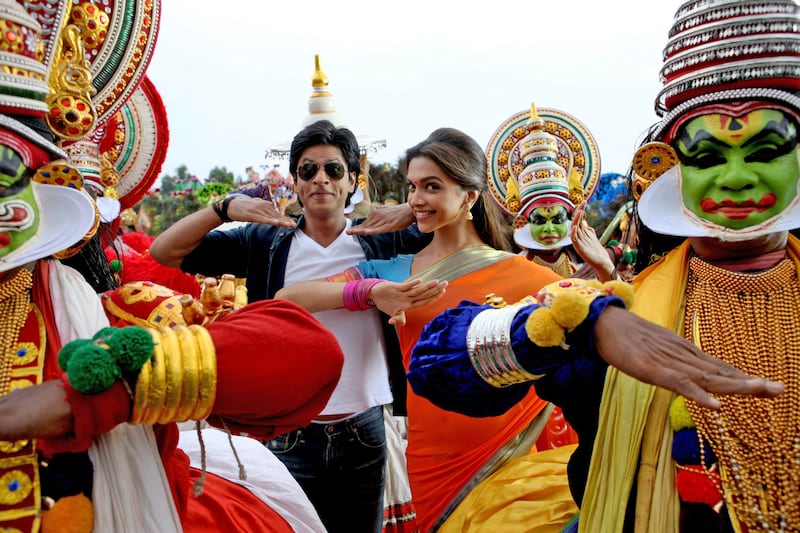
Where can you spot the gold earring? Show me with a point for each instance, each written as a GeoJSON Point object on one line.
{"type": "Point", "coordinates": [469, 211]}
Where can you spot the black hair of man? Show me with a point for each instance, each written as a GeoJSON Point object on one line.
{"type": "Point", "coordinates": [323, 132]}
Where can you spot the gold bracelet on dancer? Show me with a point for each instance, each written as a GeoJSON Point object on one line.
{"type": "Point", "coordinates": [157, 389]}
{"type": "Point", "coordinates": [179, 381]}
{"type": "Point", "coordinates": [141, 394]}
{"type": "Point", "coordinates": [174, 386]}
{"type": "Point", "coordinates": [207, 387]}
{"type": "Point", "coordinates": [190, 378]}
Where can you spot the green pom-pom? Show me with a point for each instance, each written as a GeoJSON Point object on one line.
{"type": "Point", "coordinates": [91, 369]}
{"type": "Point", "coordinates": [116, 265]}
{"type": "Point", "coordinates": [131, 347]}
{"type": "Point", "coordinates": [104, 334]}
{"type": "Point", "coordinates": [68, 350]}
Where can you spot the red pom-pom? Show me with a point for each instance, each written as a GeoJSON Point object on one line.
{"type": "Point", "coordinates": [695, 486]}
{"type": "Point", "coordinates": [138, 241]}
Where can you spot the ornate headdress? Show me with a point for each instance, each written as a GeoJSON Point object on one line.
{"type": "Point", "coordinates": [723, 56]}
{"type": "Point", "coordinates": [135, 143]}
{"type": "Point", "coordinates": [37, 51]}
{"type": "Point", "coordinates": [67, 66]}
{"type": "Point", "coordinates": [540, 157]}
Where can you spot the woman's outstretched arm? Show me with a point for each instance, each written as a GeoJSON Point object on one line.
{"type": "Point", "coordinates": [314, 296]}
{"type": "Point", "coordinates": [391, 298]}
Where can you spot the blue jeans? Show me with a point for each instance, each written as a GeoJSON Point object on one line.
{"type": "Point", "coordinates": [340, 466]}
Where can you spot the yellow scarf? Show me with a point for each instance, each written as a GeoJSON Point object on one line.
{"type": "Point", "coordinates": [634, 436]}
{"type": "Point", "coordinates": [462, 262]}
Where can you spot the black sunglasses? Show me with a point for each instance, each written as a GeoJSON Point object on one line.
{"type": "Point", "coordinates": [307, 171]}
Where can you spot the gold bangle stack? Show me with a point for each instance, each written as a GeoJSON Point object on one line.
{"type": "Point", "coordinates": [179, 382]}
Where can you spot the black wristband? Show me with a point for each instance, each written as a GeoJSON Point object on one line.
{"type": "Point", "coordinates": [217, 207]}
{"type": "Point", "coordinates": [221, 207]}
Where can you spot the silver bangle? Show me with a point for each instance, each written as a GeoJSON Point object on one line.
{"type": "Point", "coordinates": [490, 351]}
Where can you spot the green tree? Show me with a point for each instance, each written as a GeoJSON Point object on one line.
{"type": "Point", "coordinates": [167, 185]}
{"type": "Point", "coordinates": [213, 191]}
{"type": "Point", "coordinates": [221, 175]}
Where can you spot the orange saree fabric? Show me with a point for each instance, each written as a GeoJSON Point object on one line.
{"type": "Point", "coordinates": [446, 449]}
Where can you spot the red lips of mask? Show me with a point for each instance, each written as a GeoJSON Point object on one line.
{"type": "Point", "coordinates": [738, 210]}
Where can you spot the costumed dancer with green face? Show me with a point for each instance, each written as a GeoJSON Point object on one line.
{"type": "Point", "coordinates": [88, 439]}
{"type": "Point", "coordinates": [542, 164]}
{"type": "Point", "coordinates": [718, 194]}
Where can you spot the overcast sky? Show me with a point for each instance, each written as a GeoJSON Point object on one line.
{"type": "Point", "coordinates": [236, 76]}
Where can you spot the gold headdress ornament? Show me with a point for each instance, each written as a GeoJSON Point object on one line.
{"type": "Point", "coordinates": [537, 153]}
{"type": "Point", "coordinates": [513, 198]}
{"type": "Point", "coordinates": [109, 177]}
{"type": "Point", "coordinates": [651, 161]}
{"type": "Point", "coordinates": [71, 113]}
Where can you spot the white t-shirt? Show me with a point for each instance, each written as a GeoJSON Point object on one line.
{"type": "Point", "coordinates": [365, 376]}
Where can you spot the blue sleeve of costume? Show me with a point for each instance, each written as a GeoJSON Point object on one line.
{"type": "Point", "coordinates": [440, 369]}
{"type": "Point", "coordinates": [395, 269]}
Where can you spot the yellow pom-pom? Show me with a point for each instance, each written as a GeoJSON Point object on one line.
{"type": "Point", "coordinates": [621, 290]}
{"type": "Point", "coordinates": [594, 284]}
{"type": "Point", "coordinates": [679, 417]}
{"type": "Point", "coordinates": [570, 309]}
{"type": "Point", "coordinates": [70, 514]}
{"type": "Point", "coordinates": [542, 329]}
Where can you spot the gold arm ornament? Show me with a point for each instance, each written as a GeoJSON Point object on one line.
{"type": "Point", "coordinates": [174, 387]}
{"type": "Point", "coordinates": [180, 381]}
{"type": "Point", "coordinates": [190, 373]}
{"type": "Point", "coordinates": [157, 389]}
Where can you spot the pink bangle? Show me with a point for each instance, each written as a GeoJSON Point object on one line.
{"type": "Point", "coordinates": [356, 294]}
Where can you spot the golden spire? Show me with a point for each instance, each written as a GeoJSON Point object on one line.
{"type": "Point", "coordinates": [535, 120]}
{"type": "Point", "coordinates": [319, 79]}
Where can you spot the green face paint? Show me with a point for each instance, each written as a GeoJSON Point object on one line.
{"type": "Point", "coordinates": [549, 224]}
{"type": "Point", "coordinates": [739, 171]}
{"type": "Point", "coordinates": [19, 212]}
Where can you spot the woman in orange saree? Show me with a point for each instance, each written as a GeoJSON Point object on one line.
{"type": "Point", "coordinates": [448, 454]}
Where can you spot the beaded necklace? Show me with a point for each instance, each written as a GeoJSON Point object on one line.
{"type": "Point", "coordinates": [750, 321]}
{"type": "Point", "coordinates": [14, 303]}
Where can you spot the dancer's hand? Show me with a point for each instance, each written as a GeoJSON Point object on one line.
{"type": "Point", "coordinates": [385, 219]}
{"type": "Point", "coordinates": [395, 299]}
{"type": "Point", "coordinates": [655, 355]}
{"type": "Point", "coordinates": [585, 241]}
{"type": "Point", "coordinates": [37, 411]}
{"type": "Point", "coordinates": [246, 209]}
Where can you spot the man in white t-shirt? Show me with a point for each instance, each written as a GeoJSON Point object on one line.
{"type": "Point", "coordinates": [339, 458]}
